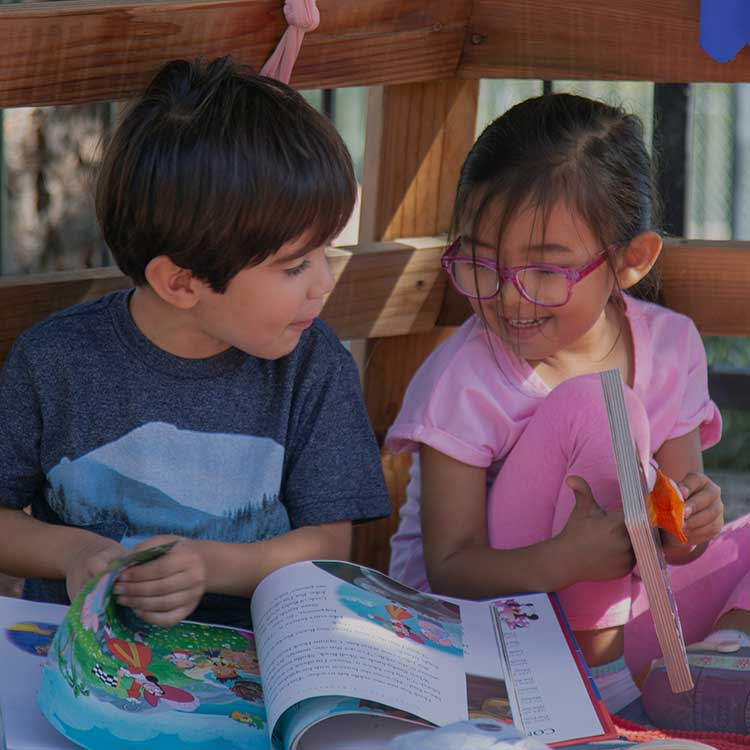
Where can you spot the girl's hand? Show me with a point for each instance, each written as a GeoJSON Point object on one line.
{"type": "Point", "coordinates": [704, 510]}
{"type": "Point", "coordinates": [595, 544]}
{"type": "Point", "coordinates": [164, 591]}
{"type": "Point", "coordinates": [88, 560]}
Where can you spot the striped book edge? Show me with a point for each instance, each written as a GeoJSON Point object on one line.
{"type": "Point", "coordinates": [646, 543]}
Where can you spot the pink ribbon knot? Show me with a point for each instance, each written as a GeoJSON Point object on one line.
{"type": "Point", "coordinates": [302, 16]}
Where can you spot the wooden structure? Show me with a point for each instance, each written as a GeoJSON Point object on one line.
{"type": "Point", "coordinates": [424, 59]}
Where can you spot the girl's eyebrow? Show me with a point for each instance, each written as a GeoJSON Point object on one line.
{"type": "Point", "coordinates": [541, 247]}
{"type": "Point", "coordinates": [477, 243]}
{"type": "Point", "coordinates": [550, 247]}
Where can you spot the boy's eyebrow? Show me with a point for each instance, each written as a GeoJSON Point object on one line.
{"type": "Point", "coordinates": [304, 250]}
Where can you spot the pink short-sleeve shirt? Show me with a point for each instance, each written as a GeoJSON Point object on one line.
{"type": "Point", "coordinates": [472, 398]}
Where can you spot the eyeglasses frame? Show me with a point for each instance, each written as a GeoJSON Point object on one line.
{"type": "Point", "coordinates": [510, 273]}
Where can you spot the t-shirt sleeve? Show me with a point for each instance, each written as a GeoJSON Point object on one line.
{"type": "Point", "coordinates": [450, 407]}
{"type": "Point", "coordinates": [697, 410]}
{"type": "Point", "coordinates": [21, 475]}
{"type": "Point", "coordinates": [333, 465]}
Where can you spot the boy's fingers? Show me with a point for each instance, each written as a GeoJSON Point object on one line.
{"type": "Point", "coordinates": [160, 603]}
{"type": "Point", "coordinates": [161, 586]}
{"type": "Point", "coordinates": [166, 619]}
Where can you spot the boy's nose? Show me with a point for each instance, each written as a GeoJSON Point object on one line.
{"type": "Point", "coordinates": [324, 280]}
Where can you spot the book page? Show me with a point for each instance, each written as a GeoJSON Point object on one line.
{"type": "Point", "coordinates": [334, 628]}
{"type": "Point", "coordinates": [486, 673]}
{"type": "Point", "coordinates": [113, 680]}
{"type": "Point", "coordinates": [27, 632]}
{"type": "Point", "coordinates": [552, 695]}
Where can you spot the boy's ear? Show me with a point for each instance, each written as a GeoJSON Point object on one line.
{"type": "Point", "coordinates": [174, 284]}
{"type": "Point", "coordinates": [638, 258]}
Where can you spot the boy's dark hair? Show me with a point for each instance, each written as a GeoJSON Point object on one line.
{"type": "Point", "coordinates": [561, 146]}
{"type": "Point", "coordinates": [217, 168]}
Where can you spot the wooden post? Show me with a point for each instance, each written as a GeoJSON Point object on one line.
{"type": "Point", "coordinates": [417, 138]}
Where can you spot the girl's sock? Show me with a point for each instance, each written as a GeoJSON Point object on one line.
{"type": "Point", "coordinates": [615, 684]}
{"type": "Point", "coordinates": [727, 636]}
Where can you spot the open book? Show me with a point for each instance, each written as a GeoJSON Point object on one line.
{"type": "Point", "coordinates": [645, 538]}
{"type": "Point", "coordinates": [341, 657]}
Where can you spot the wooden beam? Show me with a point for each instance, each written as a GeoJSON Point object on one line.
{"type": "Point", "coordinates": [89, 50]}
{"type": "Point", "coordinates": [388, 289]}
{"type": "Point", "coordinates": [592, 39]}
{"type": "Point", "coordinates": [710, 282]}
{"type": "Point", "coordinates": [417, 138]}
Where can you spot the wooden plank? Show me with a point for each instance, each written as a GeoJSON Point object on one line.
{"type": "Point", "coordinates": [386, 289]}
{"type": "Point", "coordinates": [389, 289]}
{"type": "Point", "coordinates": [710, 282]}
{"type": "Point", "coordinates": [417, 138]}
{"type": "Point", "coordinates": [88, 50]}
{"type": "Point", "coordinates": [592, 39]}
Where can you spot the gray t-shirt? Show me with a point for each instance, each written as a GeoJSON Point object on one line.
{"type": "Point", "coordinates": [102, 430]}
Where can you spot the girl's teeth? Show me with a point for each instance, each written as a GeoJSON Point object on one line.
{"type": "Point", "coordinates": [524, 323]}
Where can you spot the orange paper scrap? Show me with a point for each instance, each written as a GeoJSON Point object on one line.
{"type": "Point", "coordinates": [666, 506]}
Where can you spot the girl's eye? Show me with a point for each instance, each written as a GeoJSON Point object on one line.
{"type": "Point", "coordinates": [297, 270]}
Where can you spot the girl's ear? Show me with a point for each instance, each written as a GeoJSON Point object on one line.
{"type": "Point", "coordinates": [173, 284]}
{"type": "Point", "coordinates": [638, 258]}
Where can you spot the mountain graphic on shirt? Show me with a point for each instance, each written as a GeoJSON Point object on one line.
{"type": "Point", "coordinates": [160, 479]}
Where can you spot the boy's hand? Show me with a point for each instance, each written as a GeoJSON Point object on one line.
{"type": "Point", "coordinates": [704, 511]}
{"type": "Point", "coordinates": [595, 544]}
{"type": "Point", "coordinates": [88, 560]}
{"type": "Point", "coordinates": [164, 591]}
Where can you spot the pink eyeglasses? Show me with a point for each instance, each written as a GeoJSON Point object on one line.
{"type": "Point", "coordinates": [540, 283]}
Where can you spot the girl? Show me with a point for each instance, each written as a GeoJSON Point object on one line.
{"type": "Point", "coordinates": [553, 219]}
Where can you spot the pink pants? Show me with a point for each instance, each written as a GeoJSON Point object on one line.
{"type": "Point", "coordinates": [529, 502]}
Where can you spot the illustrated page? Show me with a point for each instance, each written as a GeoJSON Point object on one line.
{"type": "Point", "coordinates": [112, 680]}
{"type": "Point", "coordinates": [27, 632]}
{"type": "Point", "coordinates": [552, 695]}
{"type": "Point", "coordinates": [334, 628]}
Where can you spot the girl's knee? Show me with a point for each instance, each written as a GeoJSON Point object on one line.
{"type": "Point", "coordinates": [579, 403]}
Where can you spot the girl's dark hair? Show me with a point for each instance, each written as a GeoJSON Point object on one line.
{"type": "Point", "coordinates": [560, 146]}
{"type": "Point", "coordinates": [217, 168]}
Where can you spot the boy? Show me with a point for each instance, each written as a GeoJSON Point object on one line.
{"type": "Point", "coordinates": [208, 404]}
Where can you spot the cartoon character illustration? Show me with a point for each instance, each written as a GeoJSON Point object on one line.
{"type": "Point", "coordinates": [249, 719]}
{"type": "Point", "coordinates": [512, 613]}
{"type": "Point", "coordinates": [434, 632]}
{"type": "Point", "coordinates": [136, 656]}
{"type": "Point", "coordinates": [208, 666]}
{"type": "Point", "coordinates": [94, 604]}
{"type": "Point", "coordinates": [242, 661]}
{"type": "Point", "coordinates": [248, 691]}
{"type": "Point", "coordinates": [395, 621]}
{"type": "Point", "coordinates": [32, 637]}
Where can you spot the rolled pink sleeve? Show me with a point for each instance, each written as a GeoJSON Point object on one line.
{"type": "Point", "coordinates": [451, 406]}
{"type": "Point", "coordinates": [697, 410]}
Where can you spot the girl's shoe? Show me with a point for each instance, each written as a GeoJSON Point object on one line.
{"type": "Point", "coordinates": [720, 700]}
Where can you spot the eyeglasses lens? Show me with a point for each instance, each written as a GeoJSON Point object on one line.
{"type": "Point", "coordinates": [543, 287]}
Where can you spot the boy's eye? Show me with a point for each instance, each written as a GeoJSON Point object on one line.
{"type": "Point", "coordinates": [297, 270]}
